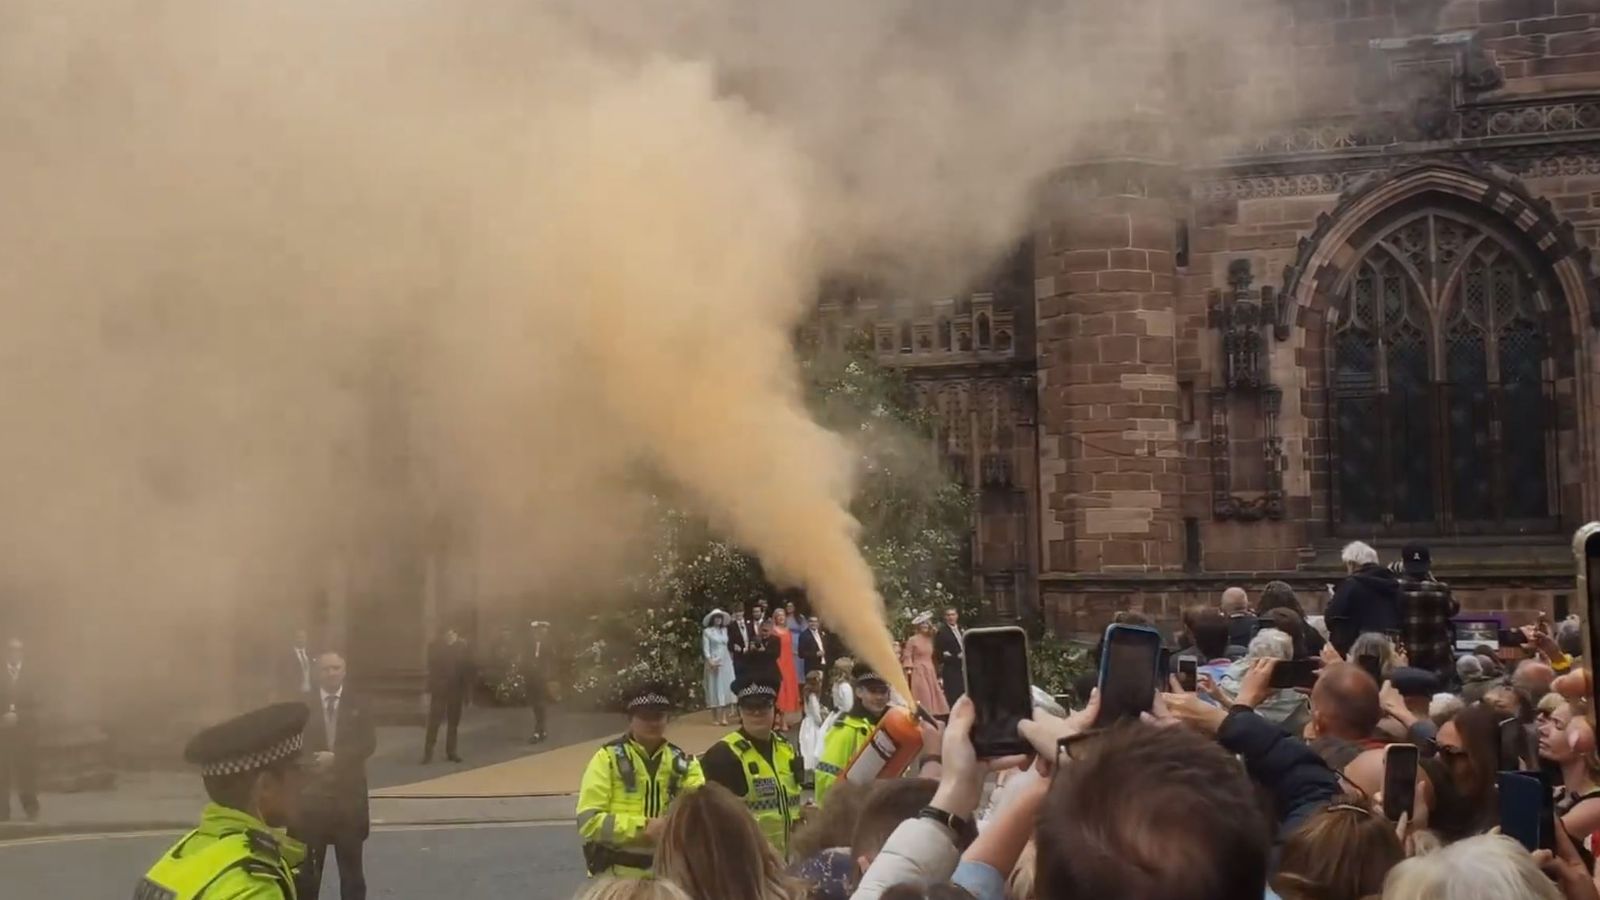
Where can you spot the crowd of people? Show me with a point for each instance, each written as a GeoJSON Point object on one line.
{"type": "Point", "coordinates": [1234, 786]}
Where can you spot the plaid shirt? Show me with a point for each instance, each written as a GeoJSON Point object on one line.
{"type": "Point", "coordinates": [1426, 608]}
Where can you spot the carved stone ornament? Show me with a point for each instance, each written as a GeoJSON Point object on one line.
{"type": "Point", "coordinates": [1240, 318]}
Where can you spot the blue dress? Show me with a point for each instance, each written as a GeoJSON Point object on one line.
{"type": "Point", "coordinates": [797, 628]}
{"type": "Point", "coordinates": [719, 678]}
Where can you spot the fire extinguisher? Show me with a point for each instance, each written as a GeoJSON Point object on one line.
{"type": "Point", "coordinates": [889, 750]}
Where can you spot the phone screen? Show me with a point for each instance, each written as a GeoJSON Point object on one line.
{"type": "Point", "coordinates": [1295, 673]}
{"type": "Point", "coordinates": [1188, 673]}
{"type": "Point", "coordinates": [1128, 668]}
{"type": "Point", "coordinates": [1522, 809]}
{"type": "Point", "coordinates": [1373, 666]}
{"type": "Point", "coordinates": [996, 662]}
{"type": "Point", "coordinates": [1399, 780]}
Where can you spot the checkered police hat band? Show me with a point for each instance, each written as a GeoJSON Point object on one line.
{"type": "Point", "coordinates": [260, 759]}
{"type": "Point", "coordinates": [758, 690]}
{"type": "Point", "coordinates": [647, 700]}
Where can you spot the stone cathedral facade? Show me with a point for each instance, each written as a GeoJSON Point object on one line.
{"type": "Point", "coordinates": [1377, 322]}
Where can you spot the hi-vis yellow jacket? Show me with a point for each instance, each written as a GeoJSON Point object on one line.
{"type": "Point", "coordinates": [623, 788]}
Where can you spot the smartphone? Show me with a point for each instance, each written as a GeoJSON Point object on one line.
{"type": "Point", "coordinates": [1399, 781]}
{"type": "Point", "coordinates": [1295, 673]}
{"type": "Point", "coordinates": [1188, 673]}
{"type": "Point", "coordinates": [996, 662]}
{"type": "Point", "coordinates": [1373, 666]}
{"type": "Point", "coordinates": [1586, 547]}
{"type": "Point", "coordinates": [1129, 672]}
{"type": "Point", "coordinates": [1512, 637]}
{"type": "Point", "coordinates": [1527, 811]}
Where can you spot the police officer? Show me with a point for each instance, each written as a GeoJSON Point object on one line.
{"type": "Point", "coordinates": [628, 785]}
{"type": "Point", "coordinates": [251, 766]}
{"type": "Point", "coordinates": [758, 764]}
{"type": "Point", "coordinates": [851, 732]}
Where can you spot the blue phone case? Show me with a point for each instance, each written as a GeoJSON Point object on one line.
{"type": "Point", "coordinates": [1127, 633]}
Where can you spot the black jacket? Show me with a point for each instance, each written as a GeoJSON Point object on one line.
{"type": "Point", "coordinates": [335, 802]}
{"type": "Point", "coordinates": [1369, 600]}
{"type": "Point", "coordinates": [947, 650]}
{"type": "Point", "coordinates": [448, 668]}
{"type": "Point", "coordinates": [1298, 780]}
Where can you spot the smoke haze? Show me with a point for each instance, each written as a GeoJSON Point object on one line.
{"type": "Point", "coordinates": [292, 285]}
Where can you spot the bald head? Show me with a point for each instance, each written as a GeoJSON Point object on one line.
{"type": "Point", "coordinates": [1234, 601]}
{"type": "Point", "coordinates": [1344, 704]}
{"type": "Point", "coordinates": [1533, 678]}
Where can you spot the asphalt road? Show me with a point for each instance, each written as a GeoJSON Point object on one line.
{"type": "Point", "coordinates": [465, 862]}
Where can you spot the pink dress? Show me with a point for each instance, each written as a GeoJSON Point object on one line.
{"type": "Point", "coordinates": [918, 657]}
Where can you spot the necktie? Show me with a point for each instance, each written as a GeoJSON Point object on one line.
{"type": "Point", "coordinates": [333, 717]}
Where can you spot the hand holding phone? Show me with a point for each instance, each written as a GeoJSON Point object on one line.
{"type": "Point", "coordinates": [1188, 673]}
{"type": "Point", "coordinates": [996, 663]}
{"type": "Point", "coordinates": [1527, 811]}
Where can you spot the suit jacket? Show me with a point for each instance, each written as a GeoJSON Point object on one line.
{"type": "Point", "coordinates": [448, 667]}
{"type": "Point", "coordinates": [946, 642]}
{"type": "Point", "coordinates": [814, 650]}
{"type": "Point", "coordinates": [335, 802]}
{"type": "Point", "coordinates": [737, 641]}
{"type": "Point", "coordinates": [22, 696]}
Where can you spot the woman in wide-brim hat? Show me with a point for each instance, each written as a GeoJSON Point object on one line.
{"type": "Point", "coordinates": [918, 657]}
{"type": "Point", "coordinates": [719, 666]}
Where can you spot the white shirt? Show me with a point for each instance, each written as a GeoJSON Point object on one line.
{"type": "Point", "coordinates": [330, 718]}
{"type": "Point", "coordinates": [305, 669]}
{"type": "Point", "coordinates": [822, 648]}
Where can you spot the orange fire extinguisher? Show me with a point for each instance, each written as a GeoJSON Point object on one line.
{"type": "Point", "coordinates": [889, 751]}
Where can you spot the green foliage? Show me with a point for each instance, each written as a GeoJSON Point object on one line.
{"type": "Point", "coordinates": [1056, 664]}
{"type": "Point", "coordinates": [915, 533]}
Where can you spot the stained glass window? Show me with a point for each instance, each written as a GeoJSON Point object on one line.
{"type": "Point", "coordinates": [1439, 385]}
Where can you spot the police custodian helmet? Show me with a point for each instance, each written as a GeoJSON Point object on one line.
{"type": "Point", "coordinates": [251, 742]}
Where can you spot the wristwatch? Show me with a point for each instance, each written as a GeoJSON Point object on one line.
{"type": "Point", "coordinates": [962, 831]}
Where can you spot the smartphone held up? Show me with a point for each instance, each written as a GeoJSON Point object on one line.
{"type": "Point", "coordinates": [998, 683]}
{"type": "Point", "coordinates": [1130, 667]}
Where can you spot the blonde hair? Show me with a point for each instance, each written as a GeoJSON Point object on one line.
{"type": "Point", "coordinates": [1486, 867]}
{"type": "Point", "coordinates": [632, 889]}
{"type": "Point", "coordinates": [844, 667]}
{"type": "Point", "coordinates": [813, 683]}
{"type": "Point", "coordinates": [712, 847]}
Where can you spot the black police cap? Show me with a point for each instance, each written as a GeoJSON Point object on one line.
{"type": "Point", "coordinates": [864, 674]}
{"type": "Point", "coordinates": [1414, 682]}
{"type": "Point", "coordinates": [649, 696]}
{"type": "Point", "coordinates": [249, 742]}
{"type": "Point", "coordinates": [755, 691]}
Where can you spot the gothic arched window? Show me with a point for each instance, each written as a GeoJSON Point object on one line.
{"type": "Point", "coordinates": [983, 331]}
{"type": "Point", "coordinates": [944, 334]}
{"type": "Point", "coordinates": [1439, 384]}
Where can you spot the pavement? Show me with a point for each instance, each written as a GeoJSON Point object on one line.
{"type": "Point", "coordinates": [528, 860]}
{"type": "Point", "coordinates": [504, 779]}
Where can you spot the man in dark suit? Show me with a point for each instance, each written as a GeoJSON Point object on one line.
{"type": "Point", "coordinates": [814, 650]}
{"type": "Point", "coordinates": [19, 733]}
{"type": "Point", "coordinates": [447, 691]}
{"type": "Point", "coordinates": [739, 634]}
{"type": "Point", "coordinates": [947, 650]}
{"type": "Point", "coordinates": [340, 737]}
{"type": "Point", "coordinates": [296, 668]}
